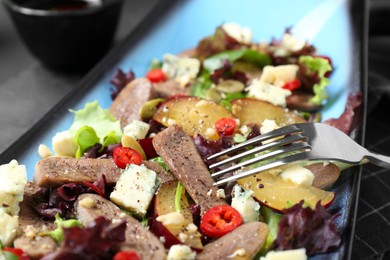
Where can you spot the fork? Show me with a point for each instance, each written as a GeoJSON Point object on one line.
{"type": "Point", "coordinates": [289, 144]}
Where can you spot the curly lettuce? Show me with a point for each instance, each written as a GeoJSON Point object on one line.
{"type": "Point", "coordinates": [320, 66]}
{"type": "Point", "coordinates": [92, 125]}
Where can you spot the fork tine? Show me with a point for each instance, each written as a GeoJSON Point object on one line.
{"type": "Point", "coordinates": [290, 129]}
{"type": "Point", "coordinates": [280, 162]}
{"type": "Point", "coordinates": [276, 143]}
{"type": "Point", "coordinates": [302, 146]}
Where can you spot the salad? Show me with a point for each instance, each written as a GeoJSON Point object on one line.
{"type": "Point", "coordinates": [132, 181]}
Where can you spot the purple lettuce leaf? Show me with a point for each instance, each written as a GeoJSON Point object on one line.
{"type": "Point", "coordinates": [101, 240]}
{"type": "Point", "coordinates": [119, 81]}
{"type": "Point", "coordinates": [313, 230]}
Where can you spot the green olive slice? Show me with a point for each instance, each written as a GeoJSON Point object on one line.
{"type": "Point", "coordinates": [149, 108]}
{"type": "Point", "coordinates": [230, 86]}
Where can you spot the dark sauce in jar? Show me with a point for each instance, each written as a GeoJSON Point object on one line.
{"type": "Point", "coordinates": [63, 5]}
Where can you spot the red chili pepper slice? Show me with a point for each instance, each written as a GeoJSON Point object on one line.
{"type": "Point", "coordinates": [18, 252]}
{"type": "Point", "coordinates": [127, 255]}
{"type": "Point", "coordinates": [220, 220]}
{"type": "Point", "coordinates": [292, 85]}
{"type": "Point", "coordinates": [123, 156]}
{"type": "Point", "coordinates": [156, 75]}
{"type": "Point", "coordinates": [225, 126]}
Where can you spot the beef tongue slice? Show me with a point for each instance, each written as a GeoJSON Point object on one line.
{"type": "Point", "coordinates": [31, 225]}
{"type": "Point", "coordinates": [242, 243]}
{"type": "Point", "coordinates": [178, 151]}
{"type": "Point", "coordinates": [88, 207]}
{"type": "Point", "coordinates": [126, 107]}
{"type": "Point", "coordinates": [56, 171]}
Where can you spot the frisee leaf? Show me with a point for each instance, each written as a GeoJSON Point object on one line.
{"type": "Point", "coordinates": [321, 66]}
{"type": "Point", "coordinates": [57, 234]}
{"type": "Point", "coordinates": [92, 125]}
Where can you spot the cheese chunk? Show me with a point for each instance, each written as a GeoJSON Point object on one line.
{"type": "Point", "coordinates": [267, 126]}
{"type": "Point", "coordinates": [182, 69]}
{"type": "Point", "coordinates": [288, 45]}
{"type": "Point", "coordinates": [239, 33]}
{"type": "Point", "coordinates": [298, 175]}
{"type": "Point", "coordinates": [279, 75]}
{"type": "Point", "coordinates": [293, 254]}
{"type": "Point", "coordinates": [9, 228]}
{"type": "Point", "coordinates": [135, 189]}
{"type": "Point", "coordinates": [180, 252]}
{"type": "Point", "coordinates": [268, 92]}
{"type": "Point", "coordinates": [245, 204]}
{"type": "Point", "coordinates": [174, 218]}
{"type": "Point", "coordinates": [64, 144]}
{"type": "Point", "coordinates": [136, 129]}
{"type": "Point", "coordinates": [13, 178]}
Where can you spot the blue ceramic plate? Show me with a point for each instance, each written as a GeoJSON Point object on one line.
{"type": "Point", "coordinates": [174, 26]}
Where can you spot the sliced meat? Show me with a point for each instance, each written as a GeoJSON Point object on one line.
{"type": "Point", "coordinates": [243, 243]}
{"type": "Point", "coordinates": [56, 171]}
{"type": "Point", "coordinates": [31, 225]}
{"type": "Point", "coordinates": [162, 174]}
{"type": "Point", "coordinates": [28, 217]}
{"type": "Point", "coordinates": [168, 88]}
{"type": "Point", "coordinates": [36, 247]}
{"type": "Point", "coordinates": [130, 100]}
{"type": "Point", "coordinates": [178, 151]}
{"type": "Point", "coordinates": [90, 206]}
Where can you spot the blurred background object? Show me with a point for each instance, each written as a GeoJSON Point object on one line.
{"type": "Point", "coordinates": [66, 34]}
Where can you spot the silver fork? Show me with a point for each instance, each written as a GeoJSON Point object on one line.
{"type": "Point", "coordinates": [293, 143]}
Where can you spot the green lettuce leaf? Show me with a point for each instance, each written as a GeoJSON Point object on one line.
{"type": "Point", "coordinates": [85, 137]}
{"type": "Point", "coordinates": [161, 162]}
{"type": "Point", "coordinates": [271, 218]}
{"type": "Point", "coordinates": [92, 125]}
{"type": "Point", "coordinates": [321, 66]}
{"type": "Point", "coordinates": [58, 234]}
{"type": "Point", "coordinates": [178, 196]}
{"type": "Point", "coordinates": [216, 61]}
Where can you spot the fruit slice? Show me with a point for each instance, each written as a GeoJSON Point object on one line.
{"type": "Point", "coordinates": [278, 194]}
{"type": "Point", "coordinates": [254, 111]}
{"type": "Point", "coordinates": [173, 232]}
{"type": "Point", "coordinates": [193, 114]}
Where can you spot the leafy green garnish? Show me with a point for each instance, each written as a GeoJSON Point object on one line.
{"type": "Point", "coordinates": [92, 125]}
{"type": "Point", "coordinates": [9, 255]}
{"type": "Point", "coordinates": [155, 64]}
{"type": "Point", "coordinates": [85, 138]}
{"type": "Point", "coordinates": [178, 196]}
{"type": "Point", "coordinates": [232, 96]}
{"type": "Point", "coordinates": [201, 85]}
{"type": "Point", "coordinates": [57, 234]}
{"type": "Point", "coordinates": [321, 66]}
{"type": "Point", "coordinates": [271, 218]}
{"type": "Point", "coordinates": [160, 161]}
{"type": "Point", "coordinates": [144, 222]}
{"type": "Point", "coordinates": [226, 104]}
{"type": "Point", "coordinates": [216, 61]}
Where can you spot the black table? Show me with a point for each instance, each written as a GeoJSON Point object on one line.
{"type": "Point", "coordinates": [28, 90]}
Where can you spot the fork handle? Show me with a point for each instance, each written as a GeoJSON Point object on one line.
{"type": "Point", "coordinates": [378, 159]}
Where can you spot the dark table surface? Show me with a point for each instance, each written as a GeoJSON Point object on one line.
{"type": "Point", "coordinates": [28, 90]}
